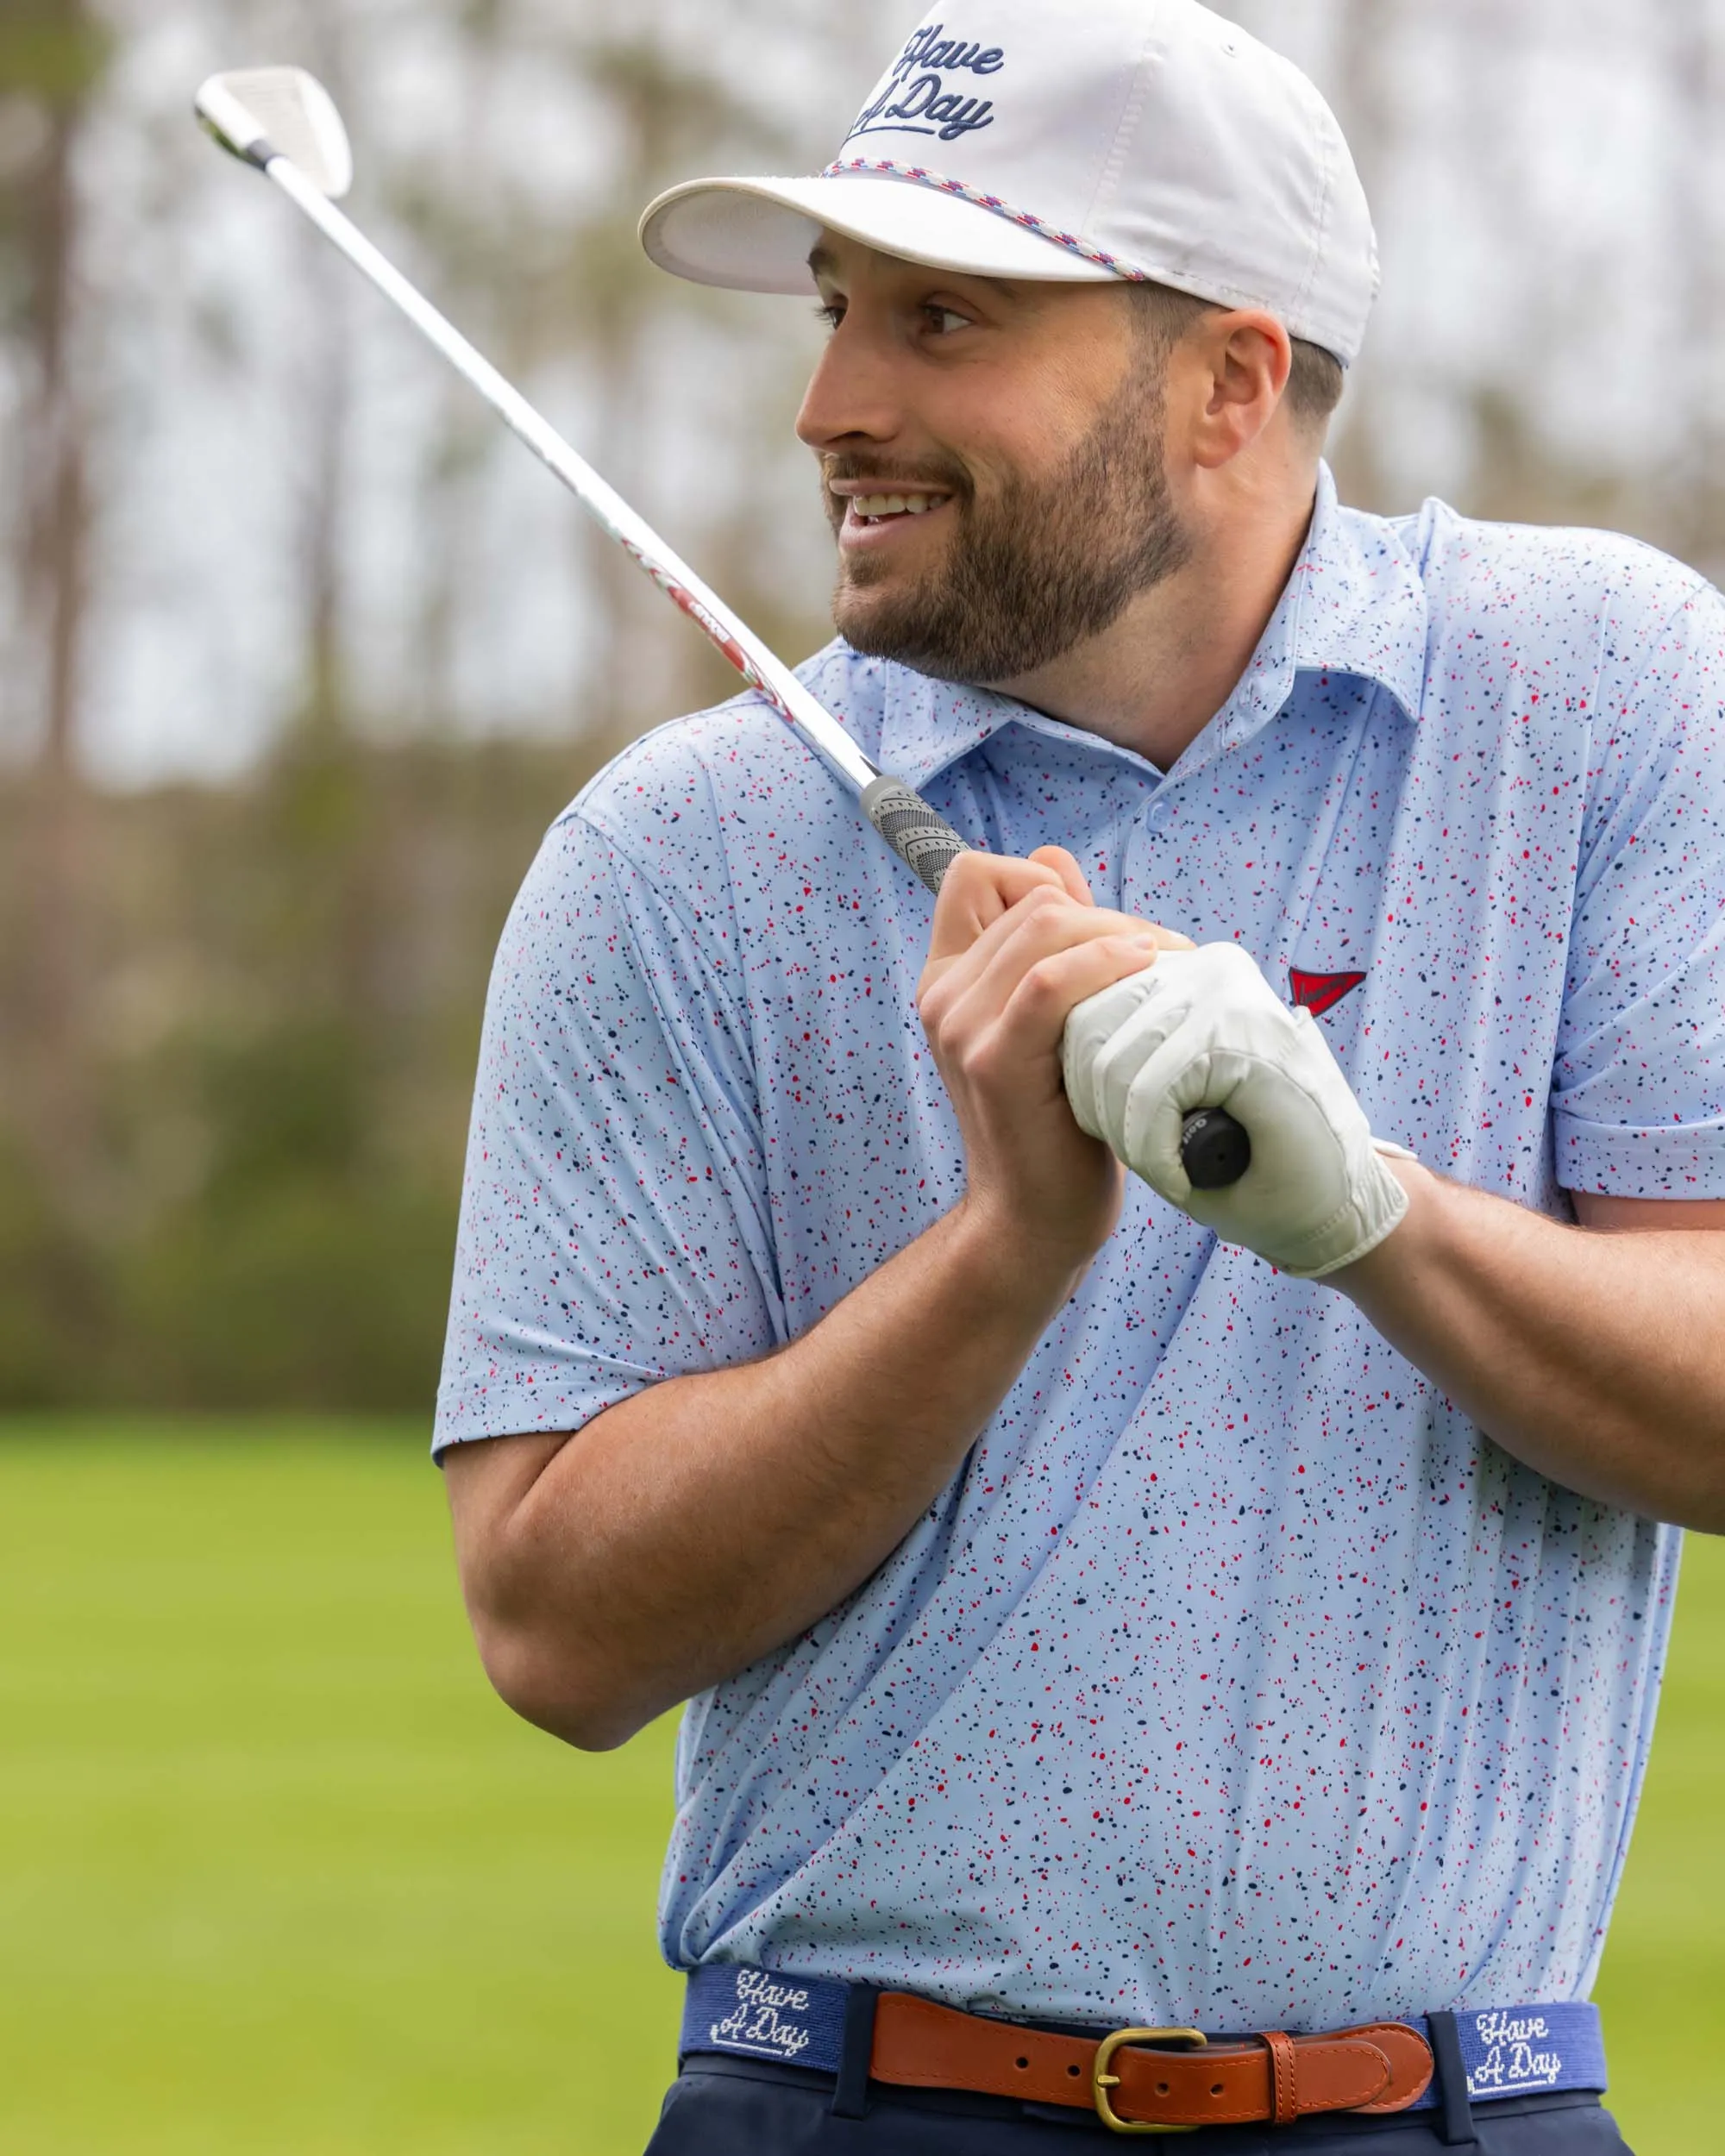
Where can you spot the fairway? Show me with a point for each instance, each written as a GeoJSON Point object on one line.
{"type": "Point", "coordinates": [279, 1875]}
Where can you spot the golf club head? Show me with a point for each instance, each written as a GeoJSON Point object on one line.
{"type": "Point", "coordinates": [261, 112]}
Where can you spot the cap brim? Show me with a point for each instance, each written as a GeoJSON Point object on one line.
{"type": "Point", "coordinates": [754, 236]}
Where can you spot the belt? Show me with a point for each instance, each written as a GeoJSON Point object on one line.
{"type": "Point", "coordinates": [1136, 2080]}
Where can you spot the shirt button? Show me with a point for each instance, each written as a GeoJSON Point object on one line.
{"type": "Point", "coordinates": [1157, 814]}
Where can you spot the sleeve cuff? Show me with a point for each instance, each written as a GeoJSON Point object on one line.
{"type": "Point", "coordinates": [1677, 1160]}
{"type": "Point", "coordinates": [529, 1400]}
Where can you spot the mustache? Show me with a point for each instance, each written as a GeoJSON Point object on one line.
{"type": "Point", "coordinates": [943, 475]}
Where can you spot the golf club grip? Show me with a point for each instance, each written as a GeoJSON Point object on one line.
{"type": "Point", "coordinates": [925, 842]}
{"type": "Point", "coordinates": [1214, 1150]}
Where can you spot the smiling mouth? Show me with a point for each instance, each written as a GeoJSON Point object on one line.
{"type": "Point", "coordinates": [880, 509]}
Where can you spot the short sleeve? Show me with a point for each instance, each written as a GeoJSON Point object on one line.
{"type": "Point", "coordinates": [614, 1225]}
{"type": "Point", "coordinates": [1639, 1096]}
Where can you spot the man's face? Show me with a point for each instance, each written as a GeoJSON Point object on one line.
{"type": "Point", "coordinates": [992, 461]}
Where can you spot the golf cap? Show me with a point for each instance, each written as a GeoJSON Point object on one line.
{"type": "Point", "coordinates": [1131, 139]}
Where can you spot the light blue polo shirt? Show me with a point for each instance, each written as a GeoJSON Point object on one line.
{"type": "Point", "coordinates": [1235, 1679]}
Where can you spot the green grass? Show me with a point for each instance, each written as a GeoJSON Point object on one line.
{"type": "Point", "coordinates": [1662, 1989]}
{"type": "Point", "coordinates": [279, 1875]}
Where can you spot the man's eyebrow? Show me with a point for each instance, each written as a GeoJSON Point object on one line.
{"type": "Point", "coordinates": [824, 263]}
{"type": "Point", "coordinates": [997, 285]}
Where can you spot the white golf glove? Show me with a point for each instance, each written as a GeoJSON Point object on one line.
{"type": "Point", "coordinates": [1204, 1029]}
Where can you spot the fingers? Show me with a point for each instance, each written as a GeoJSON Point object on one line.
{"type": "Point", "coordinates": [1036, 932]}
{"type": "Point", "coordinates": [1034, 1017]}
{"type": "Point", "coordinates": [1066, 867]}
{"type": "Point", "coordinates": [1044, 921]}
{"type": "Point", "coordinates": [1012, 996]}
{"type": "Point", "coordinates": [979, 888]}
{"type": "Point", "coordinates": [1009, 1045]}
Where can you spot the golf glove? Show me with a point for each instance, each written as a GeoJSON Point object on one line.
{"type": "Point", "coordinates": [1204, 1029]}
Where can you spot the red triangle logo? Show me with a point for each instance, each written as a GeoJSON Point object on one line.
{"type": "Point", "coordinates": [1318, 991]}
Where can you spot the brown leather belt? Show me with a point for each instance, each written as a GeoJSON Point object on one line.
{"type": "Point", "coordinates": [1137, 2085]}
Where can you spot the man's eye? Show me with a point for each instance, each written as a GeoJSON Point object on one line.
{"type": "Point", "coordinates": [830, 313]}
{"type": "Point", "coordinates": [946, 319]}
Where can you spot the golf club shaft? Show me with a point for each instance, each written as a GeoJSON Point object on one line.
{"type": "Point", "coordinates": [1213, 1148]}
{"type": "Point", "coordinates": [752, 660]}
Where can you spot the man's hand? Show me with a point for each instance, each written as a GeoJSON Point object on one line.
{"type": "Point", "coordinates": [1204, 1029]}
{"type": "Point", "coordinates": [1016, 945]}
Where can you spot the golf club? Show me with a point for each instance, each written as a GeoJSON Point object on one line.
{"type": "Point", "coordinates": [282, 120]}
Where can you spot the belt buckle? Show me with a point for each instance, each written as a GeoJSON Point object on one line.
{"type": "Point", "coordinates": [1101, 2081]}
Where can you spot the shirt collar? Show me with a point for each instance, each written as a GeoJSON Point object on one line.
{"type": "Point", "coordinates": [1353, 605]}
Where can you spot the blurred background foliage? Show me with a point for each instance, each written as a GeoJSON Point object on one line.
{"type": "Point", "coordinates": [299, 654]}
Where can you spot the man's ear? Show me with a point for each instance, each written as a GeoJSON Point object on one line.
{"type": "Point", "coordinates": [1239, 362]}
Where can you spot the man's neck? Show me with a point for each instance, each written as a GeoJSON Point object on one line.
{"type": "Point", "coordinates": [1154, 680]}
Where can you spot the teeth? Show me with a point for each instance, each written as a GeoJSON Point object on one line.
{"type": "Point", "coordinates": [894, 505]}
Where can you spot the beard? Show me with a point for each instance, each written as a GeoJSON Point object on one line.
{"type": "Point", "coordinates": [1041, 566]}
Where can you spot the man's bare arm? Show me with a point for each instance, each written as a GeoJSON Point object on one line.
{"type": "Point", "coordinates": [684, 1533]}
{"type": "Point", "coordinates": [1595, 1353]}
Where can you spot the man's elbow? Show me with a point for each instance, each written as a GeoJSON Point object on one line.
{"type": "Point", "coordinates": [575, 1697]}
{"type": "Point", "coordinates": [534, 1638]}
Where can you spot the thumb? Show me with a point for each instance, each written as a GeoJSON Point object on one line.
{"type": "Point", "coordinates": [978, 888]}
{"type": "Point", "coordinates": [1065, 865]}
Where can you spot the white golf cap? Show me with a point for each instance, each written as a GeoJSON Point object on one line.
{"type": "Point", "coordinates": [1134, 139]}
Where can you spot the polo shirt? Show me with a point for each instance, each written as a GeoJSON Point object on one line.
{"type": "Point", "coordinates": [1236, 1678]}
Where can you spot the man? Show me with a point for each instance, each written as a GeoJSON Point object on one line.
{"type": "Point", "coordinates": [1093, 1622]}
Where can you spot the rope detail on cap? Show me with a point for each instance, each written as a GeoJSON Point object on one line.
{"type": "Point", "coordinates": [1027, 218]}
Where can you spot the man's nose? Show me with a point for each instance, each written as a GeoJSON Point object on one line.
{"type": "Point", "coordinates": [851, 395]}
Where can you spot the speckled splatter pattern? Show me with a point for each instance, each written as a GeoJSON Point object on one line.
{"type": "Point", "coordinates": [1237, 1680]}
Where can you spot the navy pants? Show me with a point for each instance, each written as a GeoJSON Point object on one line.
{"type": "Point", "coordinates": [734, 2107]}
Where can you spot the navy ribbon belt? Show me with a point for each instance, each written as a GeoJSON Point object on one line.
{"type": "Point", "coordinates": [798, 2021]}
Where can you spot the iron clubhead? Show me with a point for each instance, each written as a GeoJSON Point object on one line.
{"type": "Point", "coordinates": [261, 112]}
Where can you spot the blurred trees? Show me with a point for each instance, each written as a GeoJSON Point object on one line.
{"type": "Point", "coordinates": [285, 981]}
{"type": "Point", "coordinates": [299, 653]}
{"type": "Point", "coordinates": [52, 56]}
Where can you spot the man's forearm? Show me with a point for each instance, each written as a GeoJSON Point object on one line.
{"type": "Point", "coordinates": [683, 1533]}
{"type": "Point", "coordinates": [1598, 1358]}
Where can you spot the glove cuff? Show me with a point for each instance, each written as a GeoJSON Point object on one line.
{"type": "Point", "coordinates": [1375, 1208]}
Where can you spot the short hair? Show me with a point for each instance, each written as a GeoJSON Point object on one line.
{"type": "Point", "coordinates": [1315, 381]}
